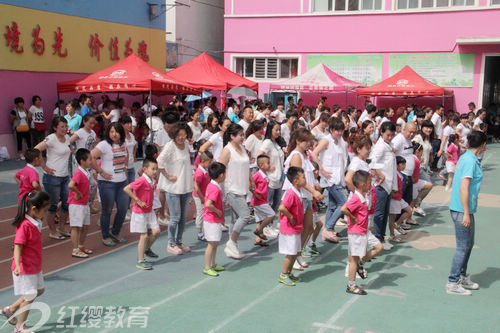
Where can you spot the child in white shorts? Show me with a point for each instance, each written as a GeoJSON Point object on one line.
{"type": "Point", "coordinates": [143, 218]}
{"type": "Point", "coordinates": [200, 183]}
{"type": "Point", "coordinates": [398, 205]}
{"type": "Point", "coordinates": [359, 237]}
{"type": "Point", "coordinates": [264, 214]}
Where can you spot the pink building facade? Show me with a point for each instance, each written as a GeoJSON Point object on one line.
{"type": "Point", "coordinates": [454, 43]}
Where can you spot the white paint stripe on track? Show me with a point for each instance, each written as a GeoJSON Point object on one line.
{"type": "Point", "coordinates": [331, 327]}
{"type": "Point", "coordinates": [263, 297]}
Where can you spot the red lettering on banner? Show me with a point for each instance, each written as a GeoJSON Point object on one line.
{"type": "Point", "coordinates": [12, 37]}
{"type": "Point", "coordinates": [142, 51]}
{"type": "Point", "coordinates": [57, 46]}
{"type": "Point", "coordinates": [113, 49]}
{"type": "Point", "coordinates": [128, 49]}
{"type": "Point", "coordinates": [95, 46]}
{"type": "Point", "coordinates": [38, 43]}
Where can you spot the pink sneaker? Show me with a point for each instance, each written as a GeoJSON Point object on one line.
{"type": "Point", "coordinates": [184, 248]}
{"type": "Point", "coordinates": [174, 250]}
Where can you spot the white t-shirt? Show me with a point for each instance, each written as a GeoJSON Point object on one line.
{"type": "Point", "coordinates": [176, 162]}
{"type": "Point", "coordinates": [130, 144]}
{"type": "Point", "coordinates": [85, 140]}
{"type": "Point", "coordinates": [147, 110]}
{"type": "Point", "coordinates": [206, 134]}
{"type": "Point", "coordinates": [154, 123]}
{"type": "Point", "coordinates": [207, 112]}
{"type": "Point", "coordinates": [115, 115]}
{"type": "Point", "coordinates": [22, 117]}
{"type": "Point", "coordinates": [161, 138]}
{"type": "Point", "coordinates": [58, 112]}
{"type": "Point", "coordinates": [404, 148]}
{"type": "Point", "coordinates": [464, 132]}
{"type": "Point", "coordinates": [58, 154]}
{"type": "Point", "coordinates": [358, 164]}
{"type": "Point", "coordinates": [285, 132]}
{"type": "Point", "coordinates": [363, 116]}
{"type": "Point", "coordinates": [244, 124]}
{"type": "Point", "coordinates": [252, 144]}
{"type": "Point", "coordinates": [36, 115]}
{"type": "Point", "coordinates": [438, 126]}
{"type": "Point", "coordinates": [217, 145]}
{"type": "Point", "coordinates": [113, 160]}
{"type": "Point", "coordinates": [401, 122]}
{"type": "Point", "coordinates": [277, 158]}
{"type": "Point", "coordinates": [477, 123]}
{"type": "Point", "coordinates": [427, 150]}
{"type": "Point", "coordinates": [318, 134]}
{"type": "Point", "coordinates": [280, 115]}
{"type": "Point", "coordinates": [196, 131]}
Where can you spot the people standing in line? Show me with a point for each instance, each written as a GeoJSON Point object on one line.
{"type": "Point", "coordinates": [56, 175]}
{"type": "Point", "coordinates": [112, 179]}
{"type": "Point", "coordinates": [463, 206]}
{"type": "Point", "coordinates": [174, 163]}
{"type": "Point", "coordinates": [38, 126]}
{"type": "Point", "coordinates": [21, 120]}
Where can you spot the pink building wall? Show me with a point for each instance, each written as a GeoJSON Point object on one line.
{"type": "Point", "coordinates": [387, 32]}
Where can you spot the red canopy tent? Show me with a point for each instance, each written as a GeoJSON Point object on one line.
{"type": "Point", "coordinates": [203, 72]}
{"type": "Point", "coordinates": [132, 74]}
{"type": "Point", "coordinates": [406, 82]}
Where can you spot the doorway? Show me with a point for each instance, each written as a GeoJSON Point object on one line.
{"type": "Point", "coordinates": [491, 83]}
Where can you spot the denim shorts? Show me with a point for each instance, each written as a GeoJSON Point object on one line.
{"type": "Point", "coordinates": [57, 188]}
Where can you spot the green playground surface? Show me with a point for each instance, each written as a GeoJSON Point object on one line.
{"type": "Point", "coordinates": [406, 285]}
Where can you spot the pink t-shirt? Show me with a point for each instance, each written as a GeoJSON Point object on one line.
{"type": "Point", "coordinates": [213, 193]}
{"type": "Point", "coordinates": [416, 172]}
{"type": "Point", "coordinates": [82, 182]}
{"type": "Point", "coordinates": [399, 194]}
{"type": "Point", "coordinates": [27, 176]}
{"type": "Point", "coordinates": [373, 197]}
{"type": "Point", "coordinates": [261, 187]}
{"type": "Point", "coordinates": [202, 178]}
{"type": "Point", "coordinates": [30, 237]}
{"type": "Point", "coordinates": [358, 207]}
{"type": "Point", "coordinates": [293, 202]}
{"type": "Point", "coordinates": [197, 160]}
{"type": "Point", "coordinates": [144, 189]}
{"type": "Point", "coordinates": [453, 153]}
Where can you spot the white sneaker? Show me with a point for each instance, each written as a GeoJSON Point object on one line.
{"type": "Point", "coordinates": [455, 288]}
{"type": "Point", "coordinates": [468, 284]}
{"type": "Point", "coordinates": [341, 222]}
{"type": "Point", "coordinates": [419, 211]}
{"type": "Point", "coordinates": [232, 251]}
{"type": "Point", "coordinates": [270, 232]}
{"type": "Point", "coordinates": [387, 245]}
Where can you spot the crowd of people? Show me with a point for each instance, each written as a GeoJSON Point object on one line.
{"type": "Point", "coordinates": [272, 165]}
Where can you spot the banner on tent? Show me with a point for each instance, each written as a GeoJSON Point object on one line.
{"type": "Point", "coordinates": [443, 69]}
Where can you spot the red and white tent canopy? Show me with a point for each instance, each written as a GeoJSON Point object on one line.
{"type": "Point", "coordinates": [320, 78]}
{"type": "Point", "coordinates": [132, 74]}
{"type": "Point", "coordinates": [406, 82]}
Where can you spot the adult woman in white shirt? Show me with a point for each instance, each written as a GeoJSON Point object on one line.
{"type": "Point", "coordinates": [176, 180]}
{"type": "Point", "coordinates": [56, 174]}
{"type": "Point", "coordinates": [215, 142]}
{"type": "Point", "coordinates": [211, 127]}
{"type": "Point", "coordinates": [112, 179]}
{"type": "Point", "coordinates": [424, 138]}
{"type": "Point", "coordinates": [131, 145]}
{"type": "Point", "coordinates": [194, 124]}
{"type": "Point", "coordinates": [236, 186]}
{"type": "Point", "coordinates": [254, 139]}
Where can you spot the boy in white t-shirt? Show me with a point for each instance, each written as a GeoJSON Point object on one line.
{"type": "Point", "coordinates": [143, 218]}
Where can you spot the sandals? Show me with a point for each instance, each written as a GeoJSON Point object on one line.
{"type": "Point", "coordinates": [78, 253]}
{"type": "Point", "coordinates": [412, 222]}
{"type": "Point", "coordinates": [8, 314]}
{"type": "Point", "coordinates": [57, 237]}
{"type": "Point", "coordinates": [108, 242]}
{"type": "Point", "coordinates": [260, 242]}
{"type": "Point", "coordinates": [85, 250]}
{"type": "Point", "coordinates": [260, 235]}
{"type": "Point", "coordinates": [396, 239]}
{"type": "Point", "coordinates": [65, 234]}
{"type": "Point", "coordinates": [400, 230]}
{"type": "Point", "coordinates": [118, 239]}
{"type": "Point", "coordinates": [355, 290]}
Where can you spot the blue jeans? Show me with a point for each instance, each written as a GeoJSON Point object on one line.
{"type": "Point", "coordinates": [336, 199]}
{"type": "Point", "coordinates": [57, 188]}
{"type": "Point", "coordinates": [112, 193]}
{"type": "Point", "coordinates": [177, 205]}
{"type": "Point", "coordinates": [274, 197]}
{"type": "Point", "coordinates": [381, 212]}
{"type": "Point", "coordinates": [130, 175]}
{"type": "Point", "coordinates": [465, 242]}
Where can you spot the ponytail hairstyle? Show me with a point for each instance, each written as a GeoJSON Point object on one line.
{"type": "Point", "coordinates": [33, 199]}
{"type": "Point", "coordinates": [300, 135]}
{"type": "Point", "coordinates": [232, 130]}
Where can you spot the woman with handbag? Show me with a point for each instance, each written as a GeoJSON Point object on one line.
{"type": "Point", "coordinates": [20, 118]}
{"type": "Point", "coordinates": [37, 120]}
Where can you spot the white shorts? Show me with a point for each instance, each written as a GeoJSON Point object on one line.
{"type": "Point", "coordinates": [27, 284]}
{"type": "Point", "coordinates": [397, 206]}
{"type": "Point", "coordinates": [450, 167]}
{"type": "Point", "coordinates": [358, 244]}
{"type": "Point", "coordinates": [141, 222]}
{"type": "Point", "coordinates": [417, 187]}
{"type": "Point", "coordinates": [199, 211]}
{"type": "Point", "coordinates": [262, 212]}
{"type": "Point", "coordinates": [212, 231]}
{"type": "Point", "coordinates": [289, 244]}
{"type": "Point", "coordinates": [156, 201]}
{"type": "Point", "coordinates": [79, 215]}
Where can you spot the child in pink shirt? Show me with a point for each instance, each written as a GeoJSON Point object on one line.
{"type": "Point", "coordinates": [201, 181]}
{"type": "Point", "coordinates": [143, 218]}
{"type": "Point", "coordinates": [359, 236]}
{"type": "Point", "coordinates": [264, 214]}
{"type": "Point", "coordinates": [78, 207]}
{"type": "Point", "coordinates": [292, 215]}
{"type": "Point", "coordinates": [27, 177]}
{"type": "Point", "coordinates": [213, 217]}
{"type": "Point", "coordinates": [452, 153]}
{"type": "Point", "coordinates": [27, 261]}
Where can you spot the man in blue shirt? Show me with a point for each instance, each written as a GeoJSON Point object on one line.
{"type": "Point", "coordinates": [463, 205]}
{"type": "Point", "coordinates": [86, 107]}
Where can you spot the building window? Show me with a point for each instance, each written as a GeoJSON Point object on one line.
{"type": "Point", "coordinates": [267, 68]}
{"type": "Point", "coordinates": [346, 5]}
{"type": "Point", "coordinates": [410, 4]}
